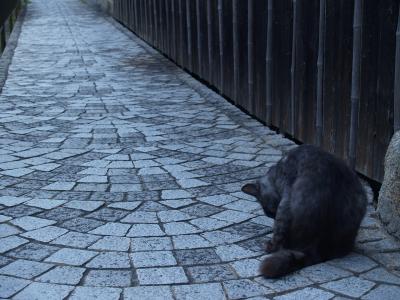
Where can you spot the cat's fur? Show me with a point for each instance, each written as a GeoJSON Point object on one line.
{"type": "Point", "coordinates": [317, 202]}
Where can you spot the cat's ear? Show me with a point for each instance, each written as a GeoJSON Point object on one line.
{"type": "Point", "coordinates": [251, 189]}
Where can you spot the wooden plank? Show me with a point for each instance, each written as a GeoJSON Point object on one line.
{"type": "Point", "coordinates": [269, 61]}
{"type": "Point", "coordinates": [189, 35]}
{"type": "Point", "coordinates": [320, 71]}
{"type": "Point", "coordinates": [250, 55]}
{"type": "Point", "coordinates": [174, 39]}
{"type": "Point", "coordinates": [355, 80]}
{"type": "Point", "coordinates": [221, 44]}
{"type": "Point", "coordinates": [199, 38]}
{"type": "Point", "coordinates": [235, 50]}
{"type": "Point", "coordinates": [210, 39]}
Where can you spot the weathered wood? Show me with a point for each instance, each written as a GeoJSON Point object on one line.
{"type": "Point", "coordinates": [199, 36]}
{"type": "Point", "coordinates": [396, 111]}
{"type": "Point", "coordinates": [174, 39]}
{"type": "Point", "coordinates": [235, 50]}
{"type": "Point", "coordinates": [210, 41]}
{"type": "Point", "coordinates": [293, 68]}
{"type": "Point", "coordinates": [269, 60]}
{"type": "Point", "coordinates": [221, 44]}
{"type": "Point", "coordinates": [189, 36]}
{"type": "Point", "coordinates": [355, 80]}
{"type": "Point", "coordinates": [250, 53]}
{"type": "Point", "coordinates": [320, 71]}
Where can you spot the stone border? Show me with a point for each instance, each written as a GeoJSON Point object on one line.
{"type": "Point", "coordinates": [8, 53]}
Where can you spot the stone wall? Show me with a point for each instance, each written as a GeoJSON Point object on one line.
{"type": "Point", "coordinates": [389, 196]}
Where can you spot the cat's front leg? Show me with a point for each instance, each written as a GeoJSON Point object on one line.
{"type": "Point", "coordinates": [281, 226]}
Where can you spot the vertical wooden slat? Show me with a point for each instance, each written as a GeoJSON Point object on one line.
{"type": "Point", "coordinates": [355, 80]}
{"type": "Point", "coordinates": [221, 43]}
{"type": "Point", "coordinates": [293, 68]}
{"type": "Point", "coordinates": [135, 8]}
{"type": "Point", "coordinates": [269, 62]}
{"type": "Point", "coordinates": [396, 115]}
{"type": "Point", "coordinates": [181, 32]}
{"type": "Point", "coordinates": [320, 71]}
{"type": "Point", "coordinates": [199, 36]}
{"type": "Point", "coordinates": [174, 42]}
{"type": "Point", "coordinates": [189, 35]}
{"type": "Point", "coordinates": [250, 53]}
{"type": "Point", "coordinates": [235, 50]}
{"type": "Point", "coordinates": [155, 17]}
{"type": "Point", "coordinates": [210, 40]}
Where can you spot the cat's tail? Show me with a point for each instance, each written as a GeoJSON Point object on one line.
{"type": "Point", "coordinates": [283, 262]}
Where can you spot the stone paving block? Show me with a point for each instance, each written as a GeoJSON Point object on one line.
{"type": "Point", "coordinates": [45, 203]}
{"type": "Point", "coordinates": [208, 291]}
{"type": "Point", "coordinates": [25, 269]}
{"type": "Point", "coordinates": [233, 252]}
{"type": "Point", "coordinates": [175, 194]}
{"type": "Point", "coordinates": [172, 216]}
{"type": "Point", "coordinates": [307, 293]}
{"type": "Point", "coordinates": [148, 293]}
{"type": "Point", "coordinates": [354, 262]}
{"type": "Point", "coordinates": [11, 285]}
{"type": "Point", "coordinates": [115, 229]}
{"type": "Point", "coordinates": [63, 275]}
{"type": "Point", "coordinates": [211, 273]}
{"type": "Point", "coordinates": [30, 223]}
{"type": "Point", "coordinates": [247, 267]}
{"type": "Point", "coordinates": [286, 283]}
{"type": "Point", "coordinates": [60, 186]}
{"type": "Point", "coordinates": [12, 201]}
{"type": "Point", "coordinates": [73, 257]}
{"type": "Point", "coordinates": [4, 218]}
{"type": "Point", "coordinates": [197, 257]}
{"type": "Point", "coordinates": [108, 214]}
{"type": "Point", "coordinates": [7, 230]}
{"type": "Point", "coordinates": [82, 224]}
{"type": "Point", "coordinates": [381, 275]}
{"type": "Point", "coordinates": [351, 286]}
{"type": "Point", "coordinates": [112, 243]}
{"type": "Point", "coordinates": [244, 288]}
{"type": "Point", "coordinates": [11, 242]}
{"type": "Point", "coordinates": [383, 292]}
{"type": "Point", "coordinates": [76, 240]}
{"type": "Point", "coordinates": [323, 272]}
{"type": "Point", "coordinates": [84, 205]}
{"type": "Point", "coordinates": [180, 228]}
{"type": "Point", "coordinates": [45, 234]}
{"type": "Point", "coordinates": [108, 278]}
{"type": "Point", "coordinates": [232, 216]}
{"type": "Point", "coordinates": [99, 293]}
{"type": "Point", "coordinates": [110, 260]}
{"type": "Point", "coordinates": [153, 259]}
{"type": "Point", "coordinates": [159, 276]}
{"type": "Point", "coordinates": [45, 291]}
{"type": "Point", "coordinates": [190, 241]}
{"type": "Point", "coordinates": [130, 205]}
{"type": "Point", "coordinates": [151, 244]}
{"type": "Point", "coordinates": [140, 230]}
{"type": "Point", "coordinates": [141, 217]}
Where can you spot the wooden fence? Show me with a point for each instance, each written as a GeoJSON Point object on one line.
{"type": "Point", "coordinates": [325, 72]}
{"type": "Point", "coordinates": [9, 10]}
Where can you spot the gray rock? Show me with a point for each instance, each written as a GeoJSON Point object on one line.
{"type": "Point", "coordinates": [389, 195]}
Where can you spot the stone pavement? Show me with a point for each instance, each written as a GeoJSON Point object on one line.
{"type": "Point", "coordinates": [120, 178]}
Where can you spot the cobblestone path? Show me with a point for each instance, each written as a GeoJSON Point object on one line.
{"type": "Point", "coordinates": [120, 178]}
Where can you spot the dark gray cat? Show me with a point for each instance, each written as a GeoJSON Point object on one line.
{"type": "Point", "coordinates": [317, 203]}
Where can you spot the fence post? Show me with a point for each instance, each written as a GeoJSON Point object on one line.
{"type": "Point", "coordinates": [355, 80]}
{"type": "Point", "coordinates": [250, 53]}
{"type": "Point", "coordinates": [235, 50]}
{"type": "Point", "coordinates": [221, 44]}
{"type": "Point", "coordinates": [396, 115]}
{"type": "Point", "coordinates": [320, 70]}
{"type": "Point", "coordinates": [210, 41]}
{"type": "Point", "coordinates": [269, 73]}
